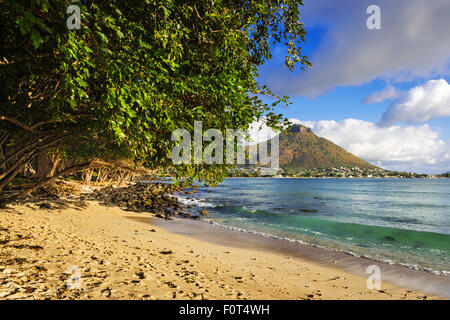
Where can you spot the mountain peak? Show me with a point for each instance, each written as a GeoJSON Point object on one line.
{"type": "Point", "coordinates": [301, 149]}
{"type": "Point", "coordinates": [299, 128]}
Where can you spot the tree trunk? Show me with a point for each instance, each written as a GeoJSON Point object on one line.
{"type": "Point", "coordinates": [4, 200]}
{"type": "Point", "coordinates": [122, 177]}
{"type": "Point", "coordinates": [55, 161]}
{"type": "Point", "coordinates": [99, 175]}
{"type": "Point", "coordinates": [46, 165]}
{"type": "Point", "coordinates": [3, 138]}
{"type": "Point", "coordinates": [87, 177]}
{"type": "Point", "coordinates": [43, 165]}
{"type": "Point", "coordinates": [7, 177]}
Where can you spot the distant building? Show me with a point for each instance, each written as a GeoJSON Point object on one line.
{"type": "Point", "coordinates": [268, 172]}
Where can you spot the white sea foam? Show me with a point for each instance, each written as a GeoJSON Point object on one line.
{"type": "Point", "coordinates": [270, 236]}
{"type": "Point", "coordinates": [195, 202]}
{"type": "Point", "coordinates": [202, 203]}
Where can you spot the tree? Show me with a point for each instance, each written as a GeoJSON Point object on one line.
{"type": "Point", "coordinates": [133, 73]}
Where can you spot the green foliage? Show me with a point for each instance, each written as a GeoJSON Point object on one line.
{"type": "Point", "coordinates": [137, 70]}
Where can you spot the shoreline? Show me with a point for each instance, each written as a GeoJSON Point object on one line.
{"type": "Point", "coordinates": [362, 178]}
{"type": "Point", "coordinates": [120, 256]}
{"type": "Point", "coordinates": [397, 274]}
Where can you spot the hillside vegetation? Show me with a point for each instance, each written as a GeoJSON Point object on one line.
{"type": "Point", "coordinates": [300, 148]}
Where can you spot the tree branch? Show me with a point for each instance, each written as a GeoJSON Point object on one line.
{"type": "Point", "coordinates": [45, 144]}
{"type": "Point", "coordinates": [36, 125]}
{"type": "Point", "coordinates": [23, 193]}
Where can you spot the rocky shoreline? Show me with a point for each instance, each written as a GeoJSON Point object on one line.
{"type": "Point", "coordinates": [157, 198]}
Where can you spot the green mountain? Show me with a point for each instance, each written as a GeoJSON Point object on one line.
{"type": "Point", "coordinates": [301, 149]}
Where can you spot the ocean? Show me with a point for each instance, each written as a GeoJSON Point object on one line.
{"type": "Point", "coordinates": [397, 221]}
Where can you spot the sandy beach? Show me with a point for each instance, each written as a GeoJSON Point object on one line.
{"type": "Point", "coordinates": [121, 256]}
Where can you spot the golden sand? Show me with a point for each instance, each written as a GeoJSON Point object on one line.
{"type": "Point", "coordinates": [41, 251]}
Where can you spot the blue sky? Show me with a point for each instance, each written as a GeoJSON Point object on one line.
{"type": "Point", "coordinates": [384, 95]}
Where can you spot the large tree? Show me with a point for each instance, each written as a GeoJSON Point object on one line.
{"type": "Point", "coordinates": [133, 73]}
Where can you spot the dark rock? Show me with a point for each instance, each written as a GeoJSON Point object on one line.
{"type": "Point", "coordinates": [45, 205]}
{"type": "Point", "coordinates": [308, 210]}
{"type": "Point", "coordinates": [152, 197]}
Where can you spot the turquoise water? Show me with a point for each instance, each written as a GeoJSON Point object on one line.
{"type": "Point", "coordinates": [402, 221]}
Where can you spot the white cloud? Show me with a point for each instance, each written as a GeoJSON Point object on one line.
{"type": "Point", "coordinates": [413, 42]}
{"type": "Point", "coordinates": [421, 103]}
{"type": "Point", "coordinates": [409, 148]}
{"type": "Point", "coordinates": [259, 132]}
{"type": "Point", "coordinates": [387, 93]}
{"type": "Point", "coordinates": [404, 148]}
